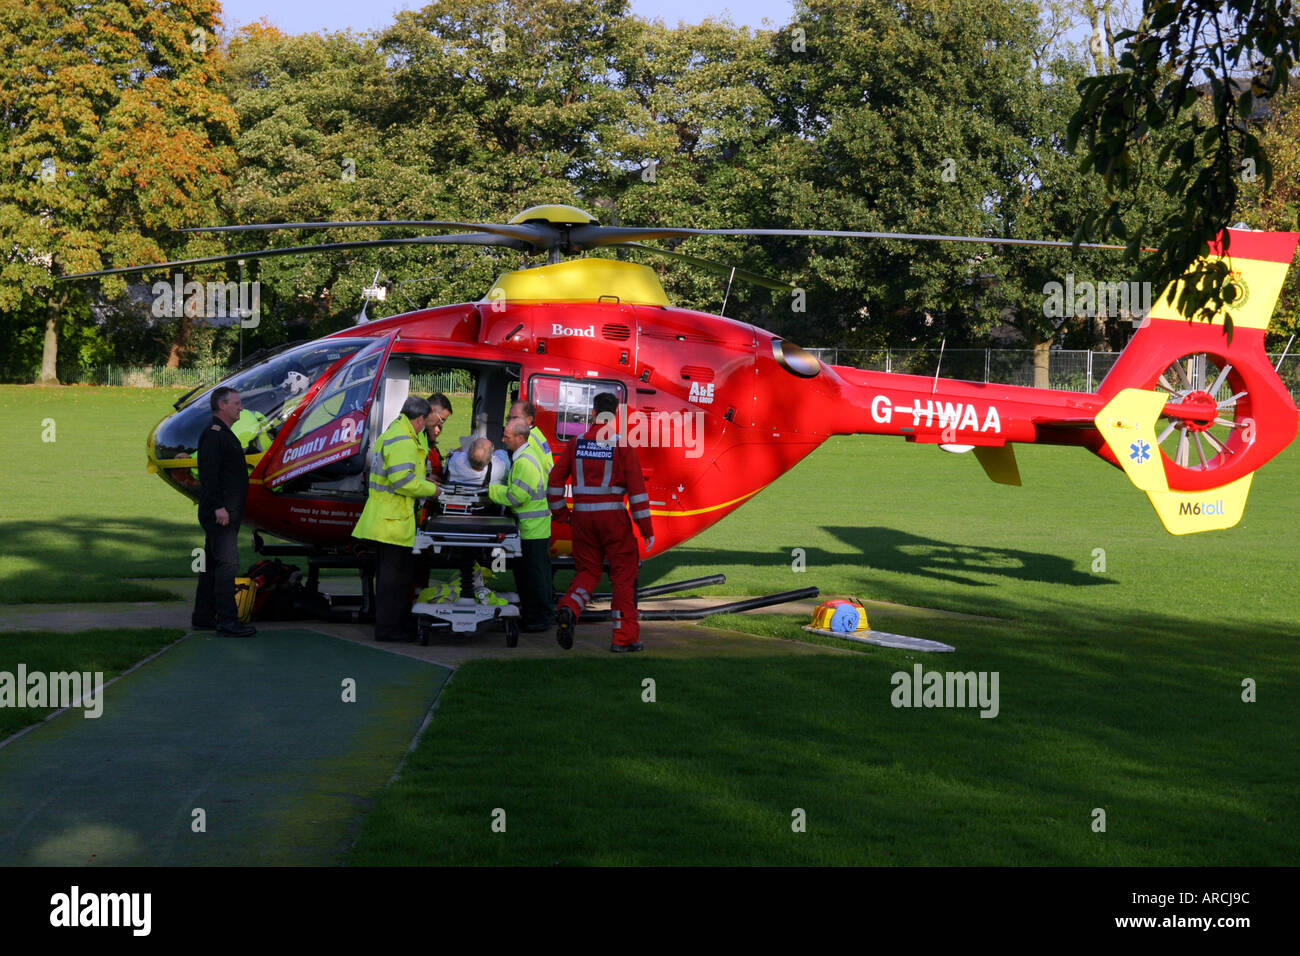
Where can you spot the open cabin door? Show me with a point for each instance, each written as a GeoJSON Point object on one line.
{"type": "Point", "coordinates": [327, 438]}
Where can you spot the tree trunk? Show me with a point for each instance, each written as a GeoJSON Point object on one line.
{"type": "Point", "coordinates": [1042, 356]}
{"type": "Point", "coordinates": [180, 341]}
{"type": "Point", "coordinates": [50, 352]}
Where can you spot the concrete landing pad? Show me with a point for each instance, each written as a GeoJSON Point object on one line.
{"type": "Point", "coordinates": [252, 731]}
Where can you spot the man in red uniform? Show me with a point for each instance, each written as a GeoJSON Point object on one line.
{"type": "Point", "coordinates": [602, 472]}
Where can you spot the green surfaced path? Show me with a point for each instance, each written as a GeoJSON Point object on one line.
{"type": "Point", "coordinates": [219, 751]}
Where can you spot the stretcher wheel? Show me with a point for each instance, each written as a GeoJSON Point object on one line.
{"type": "Point", "coordinates": [512, 632]}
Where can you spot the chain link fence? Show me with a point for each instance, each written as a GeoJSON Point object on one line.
{"type": "Point", "coordinates": [1067, 369]}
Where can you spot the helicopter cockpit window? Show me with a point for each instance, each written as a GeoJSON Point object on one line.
{"type": "Point", "coordinates": [349, 391]}
{"type": "Point", "coordinates": [269, 392]}
{"type": "Point", "coordinates": [570, 400]}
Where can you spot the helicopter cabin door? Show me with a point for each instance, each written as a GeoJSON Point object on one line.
{"type": "Point", "coordinates": [324, 450]}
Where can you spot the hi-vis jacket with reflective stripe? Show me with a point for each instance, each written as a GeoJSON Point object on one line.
{"type": "Point", "coordinates": [537, 438]}
{"type": "Point", "coordinates": [601, 473]}
{"type": "Point", "coordinates": [396, 477]}
{"type": "Point", "coordinates": [525, 493]}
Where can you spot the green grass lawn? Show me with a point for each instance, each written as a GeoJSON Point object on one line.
{"type": "Point", "coordinates": [1120, 688]}
{"type": "Point", "coordinates": [109, 651]}
{"type": "Point", "coordinates": [79, 515]}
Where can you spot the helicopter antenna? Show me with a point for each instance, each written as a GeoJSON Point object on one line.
{"type": "Point", "coordinates": [942, 342]}
{"type": "Point", "coordinates": [372, 291]}
{"type": "Point", "coordinates": [726, 294]}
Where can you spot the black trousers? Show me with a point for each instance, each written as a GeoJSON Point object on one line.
{"type": "Point", "coordinates": [394, 570]}
{"type": "Point", "coordinates": [533, 578]}
{"type": "Point", "coordinates": [214, 598]}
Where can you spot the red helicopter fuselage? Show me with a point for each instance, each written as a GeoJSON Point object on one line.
{"type": "Point", "coordinates": [716, 408]}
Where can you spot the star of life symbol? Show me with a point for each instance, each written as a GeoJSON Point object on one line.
{"type": "Point", "coordinates": [1140, 451]}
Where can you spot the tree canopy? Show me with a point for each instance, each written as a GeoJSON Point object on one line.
{"type": "Point", "coordinates": [130, 120]}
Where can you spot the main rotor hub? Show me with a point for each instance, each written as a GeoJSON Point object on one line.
{"type": "Point", "coordinates": [556, 213]}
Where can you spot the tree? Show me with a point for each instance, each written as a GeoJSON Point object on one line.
{"type": "Point", "coordinates": [912, 117]}
{"type": "Point", "coordinates": [695, 148]}
{"type": "Point", "coordinates": [1200, 69]}
{"type": "Point", "coordinates": [461, 110]}
{"type": "Point", "coordinates": [1278, 205]}
{"type": "Point", "coordinates": [112, 136]}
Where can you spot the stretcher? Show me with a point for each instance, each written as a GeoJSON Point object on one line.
{"type": "Point", "coordinates": [459, 533]}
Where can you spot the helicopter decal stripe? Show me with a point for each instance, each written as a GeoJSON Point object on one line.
{"type": "Point", "coordinates": [701, 511]}
{"type": "Point", "coordinates": [303, 464]}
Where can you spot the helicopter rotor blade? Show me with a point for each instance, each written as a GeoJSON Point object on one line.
{"type": "Point", "coordinates": [538, 236]}
{"type": "Point", "coordinates": [472, 239]}
{"type": "Point", "coordinates": [712, 265]}
{"type": "Point", "coordinates": [590, 237]}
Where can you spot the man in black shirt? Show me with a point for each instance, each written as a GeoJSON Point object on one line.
{"type": "Point", "coordinates": [223, 485]}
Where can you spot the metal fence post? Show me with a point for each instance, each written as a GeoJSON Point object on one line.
{"type": "Point", "coordinates": [1090, 370]}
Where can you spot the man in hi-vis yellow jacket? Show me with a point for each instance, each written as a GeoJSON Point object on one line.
{"type": "Point", "coordinates": [396, 480]}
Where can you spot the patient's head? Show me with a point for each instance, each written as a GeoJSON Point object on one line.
{"type": "Point", "coordinates": [480, 454]}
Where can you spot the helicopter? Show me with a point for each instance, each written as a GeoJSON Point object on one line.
{"type": "Point", "coordinates": [720, 408]}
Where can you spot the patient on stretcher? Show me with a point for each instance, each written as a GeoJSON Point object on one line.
{"type": "Point", "coordinates": [481, 465]}
{"type": "Point", "coordinates": [466, 478]}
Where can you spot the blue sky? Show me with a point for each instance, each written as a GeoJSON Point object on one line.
{"type": "Point", "coordinates": [303, 16]}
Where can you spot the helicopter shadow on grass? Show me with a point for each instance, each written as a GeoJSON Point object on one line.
{"type": "Point", "coordinates": [87, 559]}
{"type": "Point", "coordinates": [887, 549]}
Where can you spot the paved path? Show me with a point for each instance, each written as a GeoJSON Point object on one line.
{"type": "Point", "coordinates": [255, 734]}
{"type": "Point", "coordinates": [675, 638]}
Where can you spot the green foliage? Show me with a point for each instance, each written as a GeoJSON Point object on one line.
{"type": "Point", "coordinates": [104, 154]}
{"type": "Point", "coordinates": [1276, 205]}
{"type": "Point", "coordinates": [1198, 69]}
{"type": "Point", "coordinates": [893, 115]}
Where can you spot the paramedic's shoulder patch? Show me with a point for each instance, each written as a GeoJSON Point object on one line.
{"type": "Point", "coordinates": [587, 448]}
{"type": "Point", "coordinates": [216, 428]}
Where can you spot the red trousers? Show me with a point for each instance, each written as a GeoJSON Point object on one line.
{"type": "Point", "coordinates": [597, 536]}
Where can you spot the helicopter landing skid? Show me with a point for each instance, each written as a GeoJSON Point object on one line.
{"type": "Point", "coordinates": [699, 613]}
